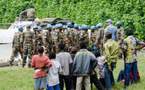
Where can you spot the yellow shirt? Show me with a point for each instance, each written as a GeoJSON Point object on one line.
{"type": "Point", "coordinates": [131, 49]}
{"type": "Point", "coordinates": [111, 51]}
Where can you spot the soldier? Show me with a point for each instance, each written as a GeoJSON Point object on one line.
{"type": "Point", "coordinates": [47, 38]}
{"type": "Point", "coordinates": [38, 42]}
{"type": "Point", "coordinates": [54, 36]}
{"type": "Point", "coordinates": [28, 43]}
{"type": "Point", "coordinates": [84, 32]}
{"type": "Point", "coordinates": [100, 39]}
{"type": "Point", "coordinates": [111, 28]}
{"type": "Point", "coordinates": [28, 14]}
{"type": "Point", "coordinates": [120, 36]}
{"type": "Point", "coordinates": [16, 45]}
{"type": "Point", "coordinates": [120, 31]}
{"type": "Point", "coordinates": [76, 31]}
{"type": "Point", "coordinates": [92, 35]}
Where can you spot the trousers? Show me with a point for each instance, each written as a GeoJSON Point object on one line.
{"type": "Point", "coordinates": [83, 81]}
{"type": "Point", "coordinates": [65, 80]}
{"type": "Point", "coordinates": [96, 82]}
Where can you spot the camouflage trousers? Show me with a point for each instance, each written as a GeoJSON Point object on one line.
{"type": "Point", "coordinates": [15, 51]}
{"type": "Point", "coordinates": [27, 53]}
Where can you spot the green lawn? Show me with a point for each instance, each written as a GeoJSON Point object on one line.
{"type": "Point", "coordinates": [14, 78]}
{"type": "Point", "coordinates": [17, 78]}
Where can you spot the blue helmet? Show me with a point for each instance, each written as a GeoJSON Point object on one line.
{"type": "Point", "coordinates": [84, 27]}
{"type": "Point", "coordinates": [59, 26]}
{"type": "Point", "coordinates": [70, 25]}
{"type": "Point", "coordinates": [49, 26]}
{"type": "Point", "coordinates": [39, 28]}
{"type": "Point", "coordinates": [35, 26]}
{"type": "Point", "coordinates": [109, 21]}
{"type": "Point", "coordinates": [53, 27]}
{"type": "Point", "coordinates": [76, 26]}
{"type": "Point", "coordinates": [93, 28]}
{"type": "Point", "coordinates": [80, 28]}
{"type": "Point", "coordinates": [119, 24]}
{"type": "Point", "coordinates": [64, 27]}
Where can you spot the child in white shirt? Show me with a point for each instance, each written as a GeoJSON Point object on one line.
{"type": "Point", "coordinates": [53, 73]}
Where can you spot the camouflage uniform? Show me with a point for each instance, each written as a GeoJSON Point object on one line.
{"type": "Point", "coordinates": [28, 39]}
{"type": "Point", "coordinates": [54, 35]}
{"type": "Point", "coordinates": [120, 33]}
{"type": "Point", "coordinates": [47, 40]}
{"type": "Point", "coordinates": [16, 46]}
{"type": "Point", "coordinates": [38, 41]}
{"type": "Point", "coordinates": [60, 35]}
{"type": "Point", "coordinates": [100, 38]}
{"type": "Point", "coordinates": [28, 14]}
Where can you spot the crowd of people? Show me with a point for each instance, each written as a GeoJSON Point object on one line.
{"type": "Point", "coordinates": [77, 56]}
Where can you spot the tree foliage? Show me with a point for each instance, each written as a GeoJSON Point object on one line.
{"type": "Point", "coordinates": [131, 12]}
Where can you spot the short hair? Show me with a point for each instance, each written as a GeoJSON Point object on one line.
{"type": "Point", "coordinates": [52, 55]}
{"type": "Point", "coordinates": [129, 31]}
{"type": "Point", "coordinates": [108, 35]}
{"type": "Point", "coordinates": [83, 45]}
{"type": "Point", "coordinates": [40, 50]}
{"type": "Point", "coordinates": [61, 46]}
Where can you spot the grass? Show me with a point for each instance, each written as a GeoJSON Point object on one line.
{"type": "Point", "coordinates": [17, 78]}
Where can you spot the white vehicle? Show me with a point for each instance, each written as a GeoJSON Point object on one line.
{"type": "Point", "coordinates": [6, 35]}
{"type": "Point", "coordinates": [6, 38]}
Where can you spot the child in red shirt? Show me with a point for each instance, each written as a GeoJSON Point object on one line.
{"type": "Point", "coordinates": [39, 63]}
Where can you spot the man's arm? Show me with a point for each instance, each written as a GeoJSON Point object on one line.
{"type": "Point", "coordinates": [140, 44]}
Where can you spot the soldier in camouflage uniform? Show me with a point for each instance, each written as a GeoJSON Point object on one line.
{"type": "Point", "coordinates": [77, 33]}
{"type": "Point", "coordinates": [120, 31]}
{"type": "Point", "coordinates": [28, 14]}
{"type": "Point", "coordinates": [38, 42]}
{"type": "Point", "coordinates": [100, 39]}
{"type": "Point", "coordinates": [54, 36]}
{"type": "Point", "coordinates": [16, 45]}
{"type": "Point", "coordinates": [28, 43]}
{"type": "Point", "coordinates": [47, 38]}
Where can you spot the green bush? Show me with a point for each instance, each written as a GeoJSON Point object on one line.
{"type": "Point", "coordinates": [90, 12]}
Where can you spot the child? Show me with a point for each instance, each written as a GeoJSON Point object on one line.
{"type": "Point", "coordinates": [53, 73]}
{"type": "Point", "coordinates": [101, 62]}
{"type": "Point", "coordinates": [39, 63]}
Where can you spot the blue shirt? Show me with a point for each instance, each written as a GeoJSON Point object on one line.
{"type": "Point", "coordinates": [112, 29]}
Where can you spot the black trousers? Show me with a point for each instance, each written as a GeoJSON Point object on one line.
{"type": "Point", "coordinates": [73, 82]}
{"type": "Point", "coordinates": [65, 80]}
{"type": "Point", "coordinates": [96, 82]}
